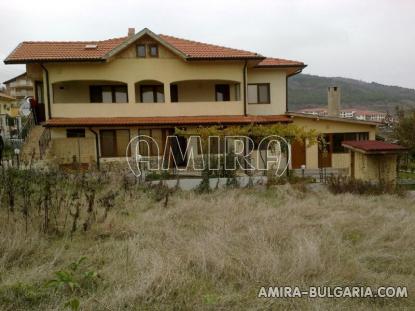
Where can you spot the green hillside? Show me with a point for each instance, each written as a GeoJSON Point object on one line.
{"type": "Point", "coordinates": [305, 91]}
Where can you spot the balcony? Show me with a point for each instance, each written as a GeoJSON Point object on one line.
{"type": "Point", "coordinates": [146, 98]}
{"type": "Point", "coordinates": [21, 83]}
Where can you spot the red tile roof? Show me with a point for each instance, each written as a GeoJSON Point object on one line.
{"type": "Point", "coordinates": [31, 51]}
{"type": "Point", "coordinates": [373, 146]}
{"type": "Point", "coordinates": [198, 50]}
{"type": "Point", "coordinates": [279, 62]}
{"type": "Point", "coordinates": [183, 120]}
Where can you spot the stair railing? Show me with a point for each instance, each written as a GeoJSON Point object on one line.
{"type": "Point", "coordinates": [26, 127]}
{"type": "Point", "coordinates": [44, 141]}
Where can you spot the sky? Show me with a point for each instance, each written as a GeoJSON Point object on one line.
{"type": "Point", "coordinates": [361, 39]}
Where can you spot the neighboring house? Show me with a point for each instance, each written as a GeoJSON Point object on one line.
{"type": "Point", "coordinates": [8, 105]}
{"type": "Point", "coordinates": [366, 115]}
{"type": "Point", "coordinates": [350, 113]}
{"type": "Point", "coordinates": [314, 111]}
{"type": "Point", "coordinates": [99, 94]}
{"type": "Point", "coordinates": [20, 86]}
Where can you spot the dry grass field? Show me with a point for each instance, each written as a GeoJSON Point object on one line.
{"type": "Point", "coordinates": [212, 252]}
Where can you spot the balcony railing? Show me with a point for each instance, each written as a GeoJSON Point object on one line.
{"type": "Point", "coordinates": [79, 110]}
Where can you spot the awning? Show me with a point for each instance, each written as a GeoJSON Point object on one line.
{"type": "Point", "coordinates": [373, 147]}
{"type": "Point", "coordinates": [173, 121]}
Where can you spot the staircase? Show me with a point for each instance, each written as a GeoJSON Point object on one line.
{"type": "Point", "coordinates": [30, 148]}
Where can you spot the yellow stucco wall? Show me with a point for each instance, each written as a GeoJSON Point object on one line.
{"type": "Point", "coordinates": [196, 98]}
{"type": "Point", "coordinates": [380, 168]}
{"type": "Point", "coordinates": [339, 160]}
{"type": "Point", "coordinates": [277, 80]}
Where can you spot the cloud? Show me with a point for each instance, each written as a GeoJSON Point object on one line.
{"type": "Point", "coordinates": [370, 40]}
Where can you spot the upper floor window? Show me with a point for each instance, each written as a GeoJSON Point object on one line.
{"type": "Point", "coordinates": [222, 92]}
{"type": "Point", "coordinates": [154, 50]}
{"type": "Point", "coordinates": [259, 93]}
{"type": "Point", "coordinates": [108, 94]}
{"type": "Point", "coordinates": [174, 93]}
{"type": "Point", "coordinates": [152, 93]}
{"type": "Point", "coordinates": [141, 50]}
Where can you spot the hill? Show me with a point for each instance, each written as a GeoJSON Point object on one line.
{"type": "Point", "coordinates": [305, 91]}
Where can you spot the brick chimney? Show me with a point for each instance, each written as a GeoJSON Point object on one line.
{"type": "Point", "coordinates": [334, 96]}
{"type": "Point", "coordinates": [131, 32]}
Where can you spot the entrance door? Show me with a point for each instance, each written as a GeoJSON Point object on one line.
{"type": "Point", "coordinates": [325, 150]}
{"type": "Point", "coordinates": [298, 154]}
{"type": "Point", "coordinates": [40, 108]}
{"type": "Point", "coordinates": [179, 144]}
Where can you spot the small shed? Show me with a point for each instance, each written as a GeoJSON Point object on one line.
{"type": "Point", "coordinates": [373, 160]}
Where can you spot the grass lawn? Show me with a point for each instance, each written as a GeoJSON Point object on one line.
{"type": "Point", "coordinates": [406, 175]}
{"type": "Point", "coordinates": [210, 251]}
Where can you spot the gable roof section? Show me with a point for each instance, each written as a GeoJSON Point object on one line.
{"type": "Point", "coordinates": [15, 78]}
{"type": "Point", "coordinates": [65, 51]}
{"type": "Point", "coordinates": [130, 40]}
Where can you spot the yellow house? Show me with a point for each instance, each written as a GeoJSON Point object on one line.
{"type": "Point", "coordinates": [98, 94]}
{"type": "Point", "coordinates": [8, 105]}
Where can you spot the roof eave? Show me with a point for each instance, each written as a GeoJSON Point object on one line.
{"type": "Point", "coordinates": [49, 60]}
{"type": "Point", "coordinates": [374, 152]}
{"type": "Point", "coordinates": [15, 78]}
{"type": "Point", "coordinates": [302, 66]}
{"type": "Point", "coordinates": [242, 58]}
{"type": "Point", "coordinates": [327, 118]}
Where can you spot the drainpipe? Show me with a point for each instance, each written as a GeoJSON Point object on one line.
{"type": "Point", "coordinates": [96, 146]}
{"type": "Point", "coordinates": [244, 80]}
{"type": "Point", "coordinates": [47, 90]}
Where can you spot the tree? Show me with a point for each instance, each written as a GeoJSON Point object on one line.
{"type": "Point", "coordinates": [404, 131]}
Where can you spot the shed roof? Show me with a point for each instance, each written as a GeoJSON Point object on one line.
{"type": "Point", "coordinates": [173, 121]}
{"type": "Point", "coordinates": [373, 146]}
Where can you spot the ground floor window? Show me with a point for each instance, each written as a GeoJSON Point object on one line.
{"type": "Point", "coordinates": [338, 138]}
{"type": "Point", "coordinates": [147, 146]}
{"type": "Point", "coordinates": [71, 133]}
{"type": "Point", "coordinates": [114, 143]}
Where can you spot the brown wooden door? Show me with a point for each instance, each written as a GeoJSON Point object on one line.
{"type": "Point", "coordinates": [298, 157]}
{"type": "Point", "coordinates": [325, 151]}
{"type": "Point", "coordinates": [40, 107]}
{"type": "Point", "coordinates": [108, 144]}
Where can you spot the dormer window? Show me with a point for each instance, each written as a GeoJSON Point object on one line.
{"type": "Point", "coordinates": [154, 50]}
{"type": "Point", "coordinates": [141, 50]}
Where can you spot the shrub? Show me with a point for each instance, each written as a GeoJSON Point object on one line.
{"type": "Point", "coordinates": [344, 184]}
